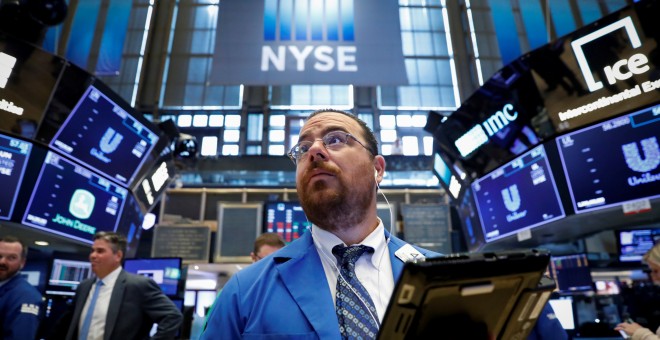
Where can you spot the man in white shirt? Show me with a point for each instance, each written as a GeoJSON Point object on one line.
{"type": "Point", "coordinates": [119, 305]}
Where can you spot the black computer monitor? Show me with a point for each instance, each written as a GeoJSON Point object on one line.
{"type": "Point", "coordinates": [452, 296]}
{"type": "Point", "coordinates": [286, 219]}
{"type": "Point", "coordinates": [66, 274]}
{"type": "Point", "coordinates": [571, 272]}
{"type": "Point", "coordinates": [632, 244]}
{"type": "Point", "coordinates": [506, 197]}
{"type": "Point", "coordinates": [14, 154]}
{"type": "Point", "coordinates": [71, 201]}
{"type": "Point", "coordinates": [613, 162]}
{"type": "Point", "coordinates": [166, 272]}
{"type": "Point", "coordinates": [103, 135]}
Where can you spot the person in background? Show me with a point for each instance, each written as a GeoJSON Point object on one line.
{"type": "Point", "coordinates": [633, 329]}
{"type": "Point", "coordinates": [336, 280]}
{"type": "Point", "coordinates": [266, 244]}
{"type": "Point", "coordinates": [116, 304]}
{"type": "Point", "coordinates": [20, 302]}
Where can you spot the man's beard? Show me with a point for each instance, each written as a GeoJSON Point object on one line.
{"type": "Point", "coordinates": [335, 210]}
{"type": "Point", "coordinates": [7, 274]}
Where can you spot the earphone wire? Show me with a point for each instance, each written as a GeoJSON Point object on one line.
{"type": "Point", "coordinates": [340, 276]}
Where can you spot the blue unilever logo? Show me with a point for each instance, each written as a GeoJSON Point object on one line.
{"type": "Point", "coordinates": [511, 198]}
{"type": "Point", "coordinates": [309, 20]}
{"type": "Point", "coordinates": [644, 164]}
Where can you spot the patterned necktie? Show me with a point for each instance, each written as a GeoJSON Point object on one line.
{"type": "Point", "coordinates": [90, 312]}
{"type": "Point", "coordinates": [357, 314]}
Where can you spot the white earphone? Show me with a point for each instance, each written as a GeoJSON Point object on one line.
{"type": "Point", "coordinates": [376, 175]}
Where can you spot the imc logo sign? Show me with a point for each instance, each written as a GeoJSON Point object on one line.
{"type": "Point", "coordinates": [597, 53]}
{"type": "Point", "coordinates": [284, 42]}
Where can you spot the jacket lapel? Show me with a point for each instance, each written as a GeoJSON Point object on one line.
{"type": "Point", "coordinates": [301, 257]}
{"type": "Point", "coordinates": [115, 302]}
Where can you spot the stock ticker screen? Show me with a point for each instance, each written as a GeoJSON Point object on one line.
{"type": "Point", "coordinates": [14, 154]}
{"type": "Point", "coordinates": [72, 201]}
{"type": "Point", "coordinates": [286, 219]}
{"type": "Point", "coordinates": [613, 162]}
{"type": "Point", "coordinates": [102, 135]}
{"type": "Point", "coordinates": [506, 198]}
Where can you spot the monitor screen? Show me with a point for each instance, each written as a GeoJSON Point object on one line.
{"type": "Point", "coordinates": [130, 225]}
{"type": "Point", "coordinates": [14, 154]}
{"type": "Point", "coordinates": [27, 78]}
{"type": "Point", "coordinates": [166, 272]}
{"type": "Point", "coordinates": [104, 136]}
{"type": "Point", "coordinates": [633, 244]}
{"type": "Point", "coordinates": [506, 196]}
{"type": "Point", "coordinates": [72, 201]}
{"type": "Point", "coordinates": [613, 162]}
{"type": "Point", "coordinates": [69, 273]}
{"type": "Point", "coordinates": [447, 177]}
{"type": "Point", "coordinates": [571, 272]}
{"type": "Point", "coordinates": [563, 308]}
{"type": "Point", "coordinates": [287, 219]}
{"type": "Point", "coordinates": [470, 223]}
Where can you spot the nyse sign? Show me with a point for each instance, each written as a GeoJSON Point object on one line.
{"type": "Point", "coordinates": [273, 42]}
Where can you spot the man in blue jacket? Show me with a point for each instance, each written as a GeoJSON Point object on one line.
{"type": "Point", "coordinates": [300, 291]}
{"type": "Point", "coordinates": [19, 301]}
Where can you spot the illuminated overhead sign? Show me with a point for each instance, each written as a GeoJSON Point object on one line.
{"type": "Point", "coordinates": [479, 134]}
{"type": "Point", "coordinates": [279, 42]}
{"type": "Point", "coordinates": [636, 64]}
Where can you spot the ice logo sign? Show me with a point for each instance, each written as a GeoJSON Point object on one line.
{"type": "Point", "coordinates": [82, 204]}
{"type": "Point", "coordinates": [511, 198]}
{"type": "Point", "coordinates": [645, 164]}
{"type": "Point", "coordinates": [108, 144]}
{"type": "Point", "coordinates": [110, 140]}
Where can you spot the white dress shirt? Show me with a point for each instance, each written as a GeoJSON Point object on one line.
{"type": "Point", "coordinates": [373, 270]}
{"type": "Point", "coordinates": [97, 326]}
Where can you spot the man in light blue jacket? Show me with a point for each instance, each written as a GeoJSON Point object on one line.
{"type": "Point", "coordinates": [294, 293]}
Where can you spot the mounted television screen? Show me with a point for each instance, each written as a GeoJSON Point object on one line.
{"type": "Point", "coordinates": [74, 202]}
{"type": "Point", "coordinates": [286, 219]}
{"type": "Point", "coordinates": [166, 272]}
{"type": "Point", "coordinates": [507, 197]}
{"type": "Point", "coordinates": [149, 189]}
{"type": "Point", "coordinates": [14, 154]}
{"type": "Point", "coordinates": [447, 176]}
{"type": "Point", "coordinates": [633, 244]}
{"type": "Point", "coordinates": [104, 136]}
{"type": "Point", "coordinates": [27, 78]}
{"type": "Point", "coordinates": [470, 223]}
{"type": "Point", "coordinates": [68, 273]}
{"type": "Point", "coordinates": [130, 225]}
{"type": "Point", "coordinates": [571, 272]}
{"type": "Point", "coordinates": [613, 162]}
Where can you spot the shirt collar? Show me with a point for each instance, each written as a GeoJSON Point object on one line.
{"type": "Point", "coordinates": [110, 279]}
{"type": "Point", "coordinates": [325, 241]}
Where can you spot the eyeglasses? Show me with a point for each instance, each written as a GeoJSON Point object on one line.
{"type": "Point", "coordinates": [333, 140]}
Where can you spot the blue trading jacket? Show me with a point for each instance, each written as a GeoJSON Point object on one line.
{"type": "Point", "coordinates": [20, 304]}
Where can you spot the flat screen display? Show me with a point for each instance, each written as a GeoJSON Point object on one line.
{"type": "Point", "coordinates": [563, 308]}
{"type": "Point", "coordinates": [571, 272]}
{"type": "Point", "coordinates": [507, 197]}
{"type": "Point", "coordinates": [14, 154]}
{"type": "Point", "coordinates": [72, 201]}
{"type": "Point", "coordinates": [102, 135]}
{"type": "Point", "coordinates": [470, 223]}
{"type": "Point", "coordinates": [166, 272]}
{"type": "Point", "coordinates": [130, 225]}
{"type": "Point", "coordinates": [446, 176]}
{"type": "Point", "coordinates": [633, 244]}
{"type": "Point", "coordinates": [27, 78]}
{"type": "Point", "coordinates": [613, 162]}
{"type": "Point", "coordinates": [69, 273]}
{"type": "Point", "coordinates": [286, 219]}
